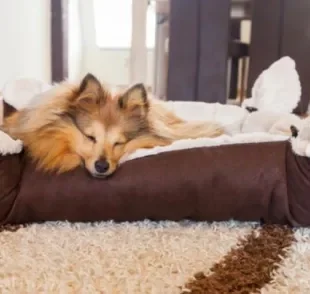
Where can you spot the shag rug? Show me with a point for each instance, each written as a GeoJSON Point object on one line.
{"type": "Point", "coordinates": [156, 258]}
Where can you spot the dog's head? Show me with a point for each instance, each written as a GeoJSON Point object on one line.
{"type": "Point", "coordinates": [82, 118]}
{"type": "Point", "coordinates": [120, 120]}
{"type": "Point", "coordinates": [81, 125]}
{"type": "Point", "coordinates": [124, 118]}
{"type": "Point", "coordinates": [108, 125]}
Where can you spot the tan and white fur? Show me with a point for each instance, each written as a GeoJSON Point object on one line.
{"type": "Point", "coordinates": [83, 124]}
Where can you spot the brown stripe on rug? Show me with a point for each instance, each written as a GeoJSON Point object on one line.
{"type": "Point", "coordinates": [248, 266]}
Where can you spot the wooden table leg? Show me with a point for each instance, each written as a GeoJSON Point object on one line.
{"type": "Point", "coordinates": [59, 40]}
{"type": "Point", "coordinates": [265, 37]}
{"type": "Point", "coordinates": [198, 49]}
{"type": "Point", "coordinates": [296, 44]}
{"type": "Point", "coordinates": [183, 58]}
{"type": "Point", "coordinates": [214, 36]}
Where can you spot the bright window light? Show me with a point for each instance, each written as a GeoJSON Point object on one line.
{"type": "Point", "coordinates": [113, 24]}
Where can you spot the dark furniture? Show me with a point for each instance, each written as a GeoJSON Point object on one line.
{"type": "Point", "coordinates": [279, 28]}
{"type": "Point", "coordinates": [238, 51]}
{"type": "Point", "coordinates": [199, 45]}
{"type": "Point", "coordinates": [59, 39]}
{"type": "Point", "coordinates": [198, 50]}
{"type": "Point", "coordinates": [203, 35]}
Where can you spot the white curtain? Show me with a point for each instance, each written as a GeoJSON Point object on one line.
{"type": "Point", "coordinates": [75, 46]}
{"type": "Point", "coordinates": [138, 50]}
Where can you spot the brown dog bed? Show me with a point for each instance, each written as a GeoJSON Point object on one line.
{"type": "Point", "coordinates": [246, 182]}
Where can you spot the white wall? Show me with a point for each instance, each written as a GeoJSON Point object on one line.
{"type": "Point", "coordinates": [111, 66]}
{"type": "Point", "coordinates": [25, 39]}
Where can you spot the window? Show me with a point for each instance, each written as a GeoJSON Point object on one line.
{"type": "Point", "coordinates": [113, 24]}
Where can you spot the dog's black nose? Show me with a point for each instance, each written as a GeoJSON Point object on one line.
{"type": "Point", "coordinates": [101, 166]}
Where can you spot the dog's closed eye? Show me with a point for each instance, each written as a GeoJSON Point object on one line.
{"type": "Point", "coordinates": [91, 138]}
{"type": "Point", "coordinates": [116, 144]}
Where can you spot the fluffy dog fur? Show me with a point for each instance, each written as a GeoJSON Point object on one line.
{"type": "Point", "coordinates": [58, 130]}
{"type": "Point", "coordinates": [71, 125]}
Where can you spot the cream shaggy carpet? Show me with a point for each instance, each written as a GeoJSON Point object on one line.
{"type": "Point", "coordinates": [155, 258]}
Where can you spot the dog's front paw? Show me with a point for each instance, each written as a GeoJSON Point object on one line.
{"type": "Point", "coordinates": [300, 138]}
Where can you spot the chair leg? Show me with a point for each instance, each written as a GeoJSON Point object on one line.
{"type": "Point", "coordinates": [233, 93]}
{"type": "Point", "coordinates": [242, 82]}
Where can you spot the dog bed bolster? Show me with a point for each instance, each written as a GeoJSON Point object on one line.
{"type": "Point", "coordinates": [7, 109]}
{"type": "Point", "coordinates": [298, 187]}
{"type": "Point", "coordinates": [245, 182]}
{"type": "Point", "coordinates": [10, 177]}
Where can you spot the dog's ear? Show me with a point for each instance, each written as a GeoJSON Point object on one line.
{"type": "Point", "coordinates": [294, 131]}
{"type": "Point", "coordinates": [135, 100]}
{"type": "Point", "coordinates": [90, 91]}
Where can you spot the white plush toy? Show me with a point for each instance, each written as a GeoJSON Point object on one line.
{"type": "Point", "coordinates": [275, 94]}
{"type": "Point", "coordinates": [277, 88]}
{"type": "Point", "coordinates": [18, 93]}
{"type": "Point", "coordinates": [301, 139]}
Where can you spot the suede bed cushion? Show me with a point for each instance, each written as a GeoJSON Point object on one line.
{"type": "Point", "coordinates": [246, 182]}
